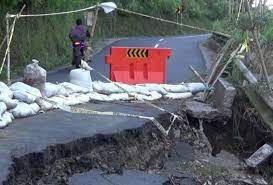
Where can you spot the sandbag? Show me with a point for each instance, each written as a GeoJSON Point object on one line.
{"type": "Point", "coordinates": [142, 97]}
{"type": "Point", "coordinates": [178, 95]}
{"type": "Point", "coordinates": [119, 96]}
{"type": "Point", "coordinates": [72, 88]}
{"type": "Point", "coordinates": [175, 88]}
{"type": "Point", "coordinates": [99, 97]}
{"type": "Point", "coordinates": [3, 108]}
{"type": "Point", "coordinates": [81, 98]}
{"type": "Point", "coordinates": [196, 87]}
{"type": "Point", "coordinates": [142, 90]}
{"type": "Point", "coordinates": [126, 88]}
{"type": "Point", "coordinates": [10, 103]}
{"type": "Point", "coordinates": [24, 97]}
{"type": "Point", "coordinates": [4, 90]}
{"type": "Point", "coordinates": [45, 105]}
{"type": "Point", "coordinates": [23, 110]}
{"type": "Point", "coordinates": [54, 90]}
{"type": "Point", "coordinates": [81, 78]}
{"type": "Point", "coordinates": [22, 87]}
{"type": "Point", "coordinates": [5, 119]}
{"type": "Point", "coordinates": [35, 76]}
{"type": "Point", "coordinates": [155, 95]}
{"type": "Point", "coordinates": [106, 88]}
{"type": "Point", "coordinates": [155, 87]}
{"type": "Point", "coordinates": [60, 100]}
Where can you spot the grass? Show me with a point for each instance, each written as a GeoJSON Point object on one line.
{"type": "Point", "coordinates": [46, 38]}
{"type": "Point", "coordinates": [204, 171]}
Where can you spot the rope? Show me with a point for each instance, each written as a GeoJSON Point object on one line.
{"type": "Point", "coordinates": [77, 110]}
{"type": "Point", "coordinates": [11, 36]}
{"type": "Point", "coordinates": [56, 13]}
{"type": "Point", "coordinates": [175, 116]}
{"type": "Point", "coordinates": [2, 43]}
{"type": "Point", "coordinates": [172, 22]}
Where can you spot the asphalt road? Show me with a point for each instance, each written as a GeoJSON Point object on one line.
{"type": "Point", "coordinates": [36, 133]}
{"type": "Point", "coordinates": [185, 52]}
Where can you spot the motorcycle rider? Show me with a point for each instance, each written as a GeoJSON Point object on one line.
{"type": "Point", "coordinates": [78, 35]}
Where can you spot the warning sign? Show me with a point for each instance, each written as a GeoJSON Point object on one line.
{"type": "Point", "coordinates": [137, 53]}
{"type": "Point", "coordinates": [179, 9]}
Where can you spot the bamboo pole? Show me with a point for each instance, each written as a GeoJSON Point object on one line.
{"type": "Point", "coordinates": [95, 20]}
{"type": "Point", "coordinates": [233, 54]}
{"type": "Point", "coordinates": [8, 48]}
{"type": "Point", "coordinates": [261, 57]}
{"type": "Point", "coordinates": [197, 74]}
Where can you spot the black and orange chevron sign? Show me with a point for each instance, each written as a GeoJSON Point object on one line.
{"type": "Point", "coordinates": [137, 53]}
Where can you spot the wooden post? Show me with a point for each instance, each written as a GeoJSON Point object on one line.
{"type": "Point", "coordinates": [95, 20]}
{"type": "Point", "coordinates": [8, 49]}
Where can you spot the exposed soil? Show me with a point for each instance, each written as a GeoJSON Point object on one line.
{"type": "Point", "coordinates": [144, 149]}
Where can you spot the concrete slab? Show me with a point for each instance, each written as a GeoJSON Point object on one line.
{"type": "Point", "coordinates": [224, 95]}
{"type": "Point", "coordinates": [261, 155]}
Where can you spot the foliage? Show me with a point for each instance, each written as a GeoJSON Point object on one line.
{"type": "Point", "coordinates": [46, 38]}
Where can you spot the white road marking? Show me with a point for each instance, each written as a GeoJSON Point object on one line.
{"type": "Point", "coordinates": [156, 46]}
{"type": "Point", "coordinates": [161, 40]}
{"type": "Point", "coordinates": [192, 36]}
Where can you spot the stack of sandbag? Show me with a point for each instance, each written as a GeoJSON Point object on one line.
{"type": "Point", "coordinates": [6, 103]}
{"type": "Point", "coordinates": [148, 92]}
{"type": "Point", "coordinates": [22, 100]}
{"type": "Point", "coordinates": [27, 97]}
{"type": "Point", "coordinates": [35, 76]}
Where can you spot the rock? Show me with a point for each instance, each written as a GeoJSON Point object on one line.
{"type": "Point", "coordinates": [177, 133]}
{"type": "Point", "coordinates": [204, 111]}
{"type": "Point", "coordinates": [224, 96]}
{"type": "Point", "coordinates": [261, 155]}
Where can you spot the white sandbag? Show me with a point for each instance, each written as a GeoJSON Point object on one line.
{"type": "Point", "coordinates": [10, 103]}
{"type": "Point", "coordinates": [119, 96]}
{"type": "Point", "coordinates": [81, 78]}
{"type": "Point", "coordinates": [35, 76]}
{"type": "Point", "coordinates": [72, 88]}
{"type": "Point", "coordinates": [142, 90]}
{"type": "Point", "coordinates": [4, 90]}
{"type": "Point", "coordinates": [175, 88]}
{"type": "Point", "coordinates": [24, 97]}
{"type": "Point", "coordinates": [155, 87]}
{"type": "Point", "coordinates": [178, 95]}
{"type": "Point", "coordinates": [23, 110]}
{"type": "Point", "coordinates": [5, 119]}
{"type": "Point", "coordinates": [106, 88]}
{"type": "Point", "coordinates": [155, 95]}
{"type": "Point", "coordinates": [99, 97]}
{"type": "Point", "coordinates": [126, 88]}
{"type": "Point", "coordinates": [60, 100]}
{"type": "Point", "coordinates": [44, 105]}
{"type": "Point", "coordinates": [81, 98]}
{"type": "Point", "coordinates": [84, 65]}
{"type": "Point", "coordinates": [142, 97]}
{"type": "Point", "coordinates": [54, 90]}
{"type": "Point", "coordinates": [3, 108]}
{"type": "Point", "coordinates": [196, 87]}
{"type": "Point", "coordinates": [19, 86]}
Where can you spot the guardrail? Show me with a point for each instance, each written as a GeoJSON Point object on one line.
{"type": "Point", "coordinates": [263, 103]}
{"type": "Point", "coordinates": [220, 38]}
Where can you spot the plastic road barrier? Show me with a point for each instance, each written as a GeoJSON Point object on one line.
{"type": "Point", "coordinates": [138, 65]}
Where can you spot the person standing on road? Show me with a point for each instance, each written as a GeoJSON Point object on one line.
{"type": "Point", "coordinates": [78, 35]}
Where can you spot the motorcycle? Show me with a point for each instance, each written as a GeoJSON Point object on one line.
{"type": "Point", "coordinates": [79, 48]}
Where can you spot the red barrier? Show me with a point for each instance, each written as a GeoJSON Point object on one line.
{"type": "Point", "coordinates": [138, 65]}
